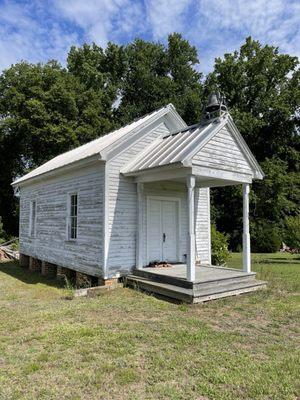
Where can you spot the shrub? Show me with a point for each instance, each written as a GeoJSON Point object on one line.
{"type": "Point", "coordinates": [219, 247]}
{"type": "Point", "coordinates": [265, 238]}
{"type": "Point", "coordinates": [292, 232]}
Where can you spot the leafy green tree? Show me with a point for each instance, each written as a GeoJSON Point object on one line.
{"type": "Point", "coordinates": [266, 237]}
{"type": "Point", "coordinates": [156, 75]}
{"type": "Point", "coordinates": [263, 91]}
{"type": "Point", "coordinates": [277, 195]}
{"type": "Point", "coordinates": [45, 110]}
{"type": "Point", "coordinates": [100, 73]}
{"type": "Point", "coordinates": [262, 87]}
{"type": "Point", "coordinates": [292, 231]}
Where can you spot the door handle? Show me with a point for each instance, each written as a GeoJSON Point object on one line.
{"type": "Point", "coordinates": [164, 237]}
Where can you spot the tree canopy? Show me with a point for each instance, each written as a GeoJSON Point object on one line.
{"type": "Point", "coordinates": [46, 109]}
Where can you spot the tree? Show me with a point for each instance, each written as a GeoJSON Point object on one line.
{"type": "Point", "coordinates": [156, 75]}
{"type": "Point", "coordinates": [45, 110]}
{"type": "Point", "coordinates": [262, 87]}
{"type": "Point", "coordinates": [292, 232]}
{"type": "Point", "coordinates": [100, 73]}
{"type": "Point", "coordinates": [263, 91]}
{"type": "Point", "coordinates": [36, 106]}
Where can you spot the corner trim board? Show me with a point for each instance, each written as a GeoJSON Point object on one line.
{"type": "Point", "coordinates": [106, 220]}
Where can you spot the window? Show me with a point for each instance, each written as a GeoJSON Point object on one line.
{"type": "Point", "coordinates": [72, 223]}
{"type": "Point", "coordinates": [32, 218]}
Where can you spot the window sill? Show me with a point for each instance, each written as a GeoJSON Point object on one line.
{"type": "Point", "coordinates": [71, 240]}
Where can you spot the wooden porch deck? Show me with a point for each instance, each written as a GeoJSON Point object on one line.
{"type": "Point", "coordinates": [211, 282]}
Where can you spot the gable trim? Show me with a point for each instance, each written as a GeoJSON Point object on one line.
{"type": "Point", "coordinates": [132, 139]}
{"type": "Point", "coordinates": [121, 144]}
{"type": "Point", "coordinates": [259, 174]}
{"type": "Point", "coordinates": [65, 169]}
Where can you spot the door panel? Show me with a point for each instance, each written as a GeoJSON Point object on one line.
{"type": "Point", "coordinates": [154, 239]}
{"type": "Point", "coordinates": [169, 228]}
{"type": "Point", "coordinates": [162, 230]}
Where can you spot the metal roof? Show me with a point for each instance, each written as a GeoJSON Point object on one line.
{"type": "Point", "coordinates": [92, 148]}
{"type": "Point", "coordinates": [174, 148]}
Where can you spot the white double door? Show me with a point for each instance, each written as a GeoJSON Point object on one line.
{"type": "Point", "coordinates": [162, 230]}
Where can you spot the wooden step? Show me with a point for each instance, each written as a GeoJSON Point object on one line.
{"type": "Point", "coordinates": [238, 280]}
{"type": "Point", "coordinates": [189, 295]}
{"type": "Point", "coordinates": [163, 289]}
{"type": "Point", "coordinates": [181, 282]}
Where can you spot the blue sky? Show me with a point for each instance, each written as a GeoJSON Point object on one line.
{"type": "Point", "coordinates": [39, 30]}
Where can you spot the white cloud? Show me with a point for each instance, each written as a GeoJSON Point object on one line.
{"type": "Point", "coordinates": [102, 20]}
{"type": "Point", "coordinates": [224, 24]}
{"type": "Point", "coordinates": [25, 35]}
{"type": "Point", "coordinates": [219, 26]}
{"type": "Point", "coordinates": [166, 16]}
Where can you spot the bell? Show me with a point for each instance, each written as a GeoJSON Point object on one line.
{"type": "Point", "coordinates": [213, 103]}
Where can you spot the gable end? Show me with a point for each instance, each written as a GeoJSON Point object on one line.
{"type": "Point", "coordinates": [226, 149]}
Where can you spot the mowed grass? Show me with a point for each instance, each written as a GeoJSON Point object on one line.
{"type": "Point", "coordinates": [127, 345]}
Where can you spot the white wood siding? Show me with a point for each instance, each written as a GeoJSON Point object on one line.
{"type": "Point", "coordinates": [122, 207]}
{"type": "Point", "coordinates": [202, 225]}
{"type": "Point", "coordinates": [50, 242]}
{"type": "Point", "coordinates": [223, 152]}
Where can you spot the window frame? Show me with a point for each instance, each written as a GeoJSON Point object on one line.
{"type": "Point", "coordinates": [72, 217]}
{"type": "Point", "coordinates": [33, 218]}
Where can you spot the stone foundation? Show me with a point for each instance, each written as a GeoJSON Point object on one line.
{"type": "Point", "coordinates": [77, 278]}
{"type": "Point", "coordinates": [35, 265]}
{"type": "Point", "coordinates": [48, 269]}
{"type": "Point", "coordinates": [24, 260]}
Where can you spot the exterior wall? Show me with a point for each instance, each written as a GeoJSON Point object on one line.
{"type": "Point", "coordinates": [123, 217]}
{"type": "Point", "coordinates": [122, 208]}
{"type": "Point", "coordinates": [50, 242]}
{"type": "Point", "coordinates": [223, 152]}
{"type": "Point", "coordinates": [202, 225]}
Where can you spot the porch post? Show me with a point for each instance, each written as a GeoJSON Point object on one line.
{"type": "Point", "coordinates": [246, 233]}
{"type": "Point", "coordinates": [191, 226]}
{"type": "Point", "coordinates": [139, 233]}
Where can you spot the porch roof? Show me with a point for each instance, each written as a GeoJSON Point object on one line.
{"type": "Point", "coordinates": [178, 149]}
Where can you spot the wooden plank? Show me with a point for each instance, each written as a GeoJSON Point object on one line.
{"type": "Point", "coordinates": [51, 197]}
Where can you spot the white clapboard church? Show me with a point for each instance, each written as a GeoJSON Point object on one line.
{"type": "Point", "coordinates": [140, 194]}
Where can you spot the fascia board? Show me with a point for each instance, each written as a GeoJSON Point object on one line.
{"type": "Point", "coordinates": [58, 171]}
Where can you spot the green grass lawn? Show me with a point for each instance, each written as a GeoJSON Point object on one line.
{"type": "Point", "coordinates": [127, 345]}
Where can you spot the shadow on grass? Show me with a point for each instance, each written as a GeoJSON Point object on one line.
{"type": "Point", "coordinates": [14, 269]}
{"type": "Point", "coordinates": [275, 261]}
{"type": "Point", "coordinates": [286, 259]}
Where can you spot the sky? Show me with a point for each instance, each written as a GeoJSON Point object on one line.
{"type": "Point", "coordinates": [39, 30]}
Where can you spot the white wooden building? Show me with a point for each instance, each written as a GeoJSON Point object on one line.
{"type": "Point", "coordinates": [138, 194]}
